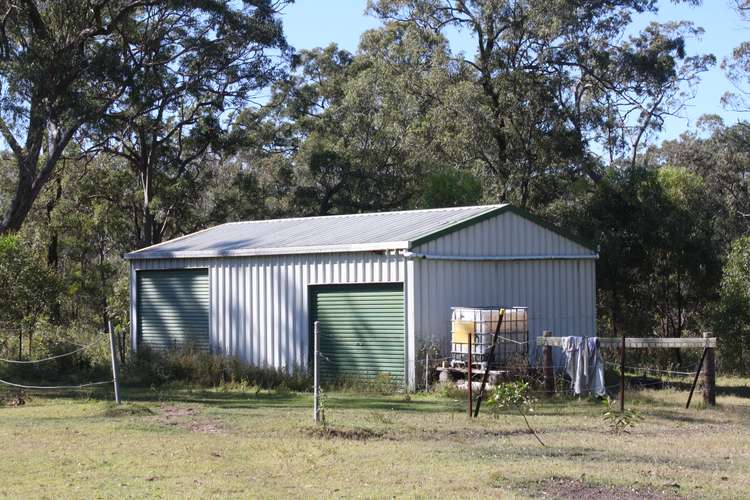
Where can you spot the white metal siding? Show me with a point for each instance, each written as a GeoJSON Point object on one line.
{"type": "Point", "coordinates": [560, 294]}
{"type": "Point", "coordinates": [505, 234]}
{"type": "Point", "coordinates": [259, 305]}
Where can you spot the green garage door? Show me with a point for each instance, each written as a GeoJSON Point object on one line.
{"type": "Point", "coordinates": [173, 308]}
{"type": "Point", "coordinates": [361, 330]}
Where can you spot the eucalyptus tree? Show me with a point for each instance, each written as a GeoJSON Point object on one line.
{"type": "Point", "coordinates": [720, 155]}
{"type": "Point", "coordinates": [58, 70]}
{"type": "Point", "coordinates": [558, 87]}
{"type": "Point", "coordinates": [189, 66]}
{"type": "Point", "coordinates": [659, 265]}
{"type": "Point", "coordinates": [733, 312]}
{"type": "Point", "coordinates": [737, 67]}
{"type": "Point", "coordinates": [352, 132]}
{"type": "Point", "coordinates": [28, 291]}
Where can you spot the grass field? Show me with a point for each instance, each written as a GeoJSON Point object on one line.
{"type": "Point", "coordinates": [181, 443]}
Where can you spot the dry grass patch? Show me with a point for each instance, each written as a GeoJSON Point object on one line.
{"type": "Point", "coordinates": [563, 487]}
{"type": "Point", "coordinates": [200, 444]}
{"type": "Point", "coordinates": [355, 434]}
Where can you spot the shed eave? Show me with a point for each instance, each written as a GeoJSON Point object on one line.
{"type": "Point", "coordinates": [257, 252]}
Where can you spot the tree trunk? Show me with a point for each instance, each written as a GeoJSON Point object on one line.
{"type": "Point", "coordinates": [103, 285]}
{"type": "Point", "coordinates": [121, 343]}
{"type": "Point", "coordinates": [31, 180]}
{"type": "Point", "coordinates": [53, 246]}
{"type": "Point", "coordinates": [147, 237]}
{"type": "Point", "coordinates": [22, 200]}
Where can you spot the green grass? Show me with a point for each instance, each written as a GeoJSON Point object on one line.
{"type": "Point", "coordinates": [242, 444]}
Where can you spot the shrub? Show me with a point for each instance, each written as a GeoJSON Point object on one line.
{"type": "Point", "coordinates": [84, 365]}
{"type": "Point", "coordinates": [382, 383]}
{"type": "Point", "coordinates": [514, 396]}
{"type": "Point", "coordinates": [28, 290]}
{"type": "Point", "coordinates": [620, 422]}
{"type": "Point", "coordinates": [150, 367]}
{"type": "Point", "coordinates": [449, 390]}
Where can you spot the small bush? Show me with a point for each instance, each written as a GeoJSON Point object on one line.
{"type": "Point", "coordinates": [514, 396]}
{"type": "Point", "coordinates": [156, 368]}
{"type": "Point", "coordinates": [449, 390]}
{"type": "Point", "coordinates": [620, 422]}
{"type": "Point", "coordinates": [382, 383]}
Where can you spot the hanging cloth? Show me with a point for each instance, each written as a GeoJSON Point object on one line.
{"type": "Point", "coordinates": [584, 365]}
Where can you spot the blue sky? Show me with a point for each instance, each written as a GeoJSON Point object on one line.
{"type": "Point", "coordinates": [316, 23]}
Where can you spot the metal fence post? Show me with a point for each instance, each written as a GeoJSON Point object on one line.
{"type": "Point", "coordinates": [709, 375]}
{"type": "Point", "coordinates": [316, 371]}
{"type": "Point", "coordinates": [427, 371]}
{"type": "Point", "coordinates": [548, 371]}
{"type": "Point", "coordinates": [622, 373]}
{"type": "Point", "coordinates": [468, 379]}
{"type": "Point", "coordinates": [113, 355]}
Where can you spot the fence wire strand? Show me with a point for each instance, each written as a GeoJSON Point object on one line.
{"type": "Point", "coordinates": [656, 370]}
{"type": "Point", "coordinates": [50, 358]}
{"type": "Point", "coordinates": [79, 386]}
{"type": "Point", "coordinates": [32, 361]}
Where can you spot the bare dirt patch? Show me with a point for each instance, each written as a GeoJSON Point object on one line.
{"type": "Point", "coordinates": [354, 434]}
{"type": "Point", "coordinates": [186, 418]}
{"type": "Point", "coordinates": [168, 411]}
{"type": "Point", "coordinates": [560, 487]}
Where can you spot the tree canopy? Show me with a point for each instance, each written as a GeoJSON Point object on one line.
{"type": "Point", "coordinates": [129, 122]}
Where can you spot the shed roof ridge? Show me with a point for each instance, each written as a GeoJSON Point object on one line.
{"type": "Point", "coordinates": [441, 209]}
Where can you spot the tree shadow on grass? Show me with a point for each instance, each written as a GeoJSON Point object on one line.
{"type": "Point", "coordinates": [378, 402]}
{"type": "Point", "coordinates": [289, 400]}
{"type": "Point", "coordinates": [225, 400]}
{"type": "Point", "coordinates": [252, 400]}
{"type": "Point", "coordinates": [675, 416]}
{"type": "Point", "coordinates": [740, 391]}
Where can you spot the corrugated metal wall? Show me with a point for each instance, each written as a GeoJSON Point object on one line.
{"type": "Point", "coordinates": [259, 305]}
{"type": "Point", "coordinates": [560, 294]}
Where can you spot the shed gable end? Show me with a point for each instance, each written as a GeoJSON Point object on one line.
{"type": "Point", "coordinates": [504, 233]}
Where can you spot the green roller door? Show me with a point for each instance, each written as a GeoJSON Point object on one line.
{"type": "Point", "coordinates": [173, 308]}
{"type": "Point", "coordinates": [361, 330]}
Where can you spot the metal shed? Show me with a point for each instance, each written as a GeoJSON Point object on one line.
{"type": "Point", "coordinates": [382, 284]}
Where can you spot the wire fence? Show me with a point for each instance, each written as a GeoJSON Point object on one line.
{"type": "Point", "coordinates": [32, 361]}
{"type": "Point", "coordinates": [652, 370]}
{"type": "Point", "coordinates": [79, 386]}
{"type": "Point", "coordinates": [51, 358]}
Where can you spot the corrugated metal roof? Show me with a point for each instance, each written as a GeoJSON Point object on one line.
{"type": "Point", "coordinates": [334, 233]}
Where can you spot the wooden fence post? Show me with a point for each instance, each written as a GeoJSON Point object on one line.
{"type": "Point", "coordinates": [709, 375]}
{"type": "Point", "coordinates": [547, 370]}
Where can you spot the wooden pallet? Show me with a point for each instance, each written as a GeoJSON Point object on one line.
{"type": "Point", "coordinates": [494, 376]}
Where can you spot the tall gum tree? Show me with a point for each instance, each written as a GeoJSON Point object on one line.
{"type": "Point", "coordinates": [58, 70]}
{"type": "Point", "coordinates": [189, 66]}
{"type": "Point", "coordinates": [558, 88]}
